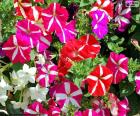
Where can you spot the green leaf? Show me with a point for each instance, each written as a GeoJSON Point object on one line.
{"type": "Point", "coordinates": [17, 66]}
{"type": "Point", "coordinates": [126, 88]}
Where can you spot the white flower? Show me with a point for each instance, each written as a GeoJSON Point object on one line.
{"type": "Point", "coordinates": [38, 93]}
{"type": "Point", "coordinates": [3, 91]}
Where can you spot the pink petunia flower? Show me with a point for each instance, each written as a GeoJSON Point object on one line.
{"type": "Point", "coordinates": [68, 32]}
{"type": "Point", "coordinates": [99, 23]}
{"type": "Point", "coordinates": [106, 6]}
{"type": "Point", "coordinates": [36, 108]}
{"type": "Point", "coordinates": [122, 16]}
{"type": "Point", "coordinates": [32, 31]}
{"type": "Point", "coordinates": [46, 75]}
{"type": "Point", "coordinates": [68, 93]}
{"type": "Point", "coordinates": [137, 80]}
{"type": "Point", "coordinates": [100, 108]}
{"type": "Point", "coordinates": [54, 17]}
{"type": "Point", "coordinates": [17, 48]}
{"type": "Point", "coordinates": [22, 7]}
{"type": "Point", "coordinates": [99, 81]}
{"type": "Point", "coordinates": [89, 112]}
{"type": "Point", "coordinates": [118, 64]}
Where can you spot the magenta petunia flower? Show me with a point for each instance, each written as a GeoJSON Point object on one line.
{"type": "Point", "coordinates": [68, 93]}
{"type": "Point", "coordinates": [54, 17]}
{"type": "Point", "coordinates": [36, 108]}
{"type": "Point", "coordinates": [17, 48]}
{"type": "Point", "coordinates": [137, 80]}
{"type": "Point", "coordinates": [123, 107]}
{"type": "Point", "coordinates": [122, 16]}
{"type": "Point", "coordinates": [100, 108]}
{"type": "Point", "coordinates": [46, 75]}
{"type": "Point", "coordinates": [43, 42]}
{"type": "Point", "coordinates": [118, 64]}
{"type": "Point", "coordinates": [99, 23]}
{"type": "Point", "coordinates": [22, 7]}
{"type": "Point", "coordinates": [32, 31]}
{"type": "Point", "coordinates": [89, 112]}
{"type": "Point", "coordinates": [68, 32]}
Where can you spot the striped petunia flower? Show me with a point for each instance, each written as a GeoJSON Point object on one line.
{"type": "Point", "coordinates": [99, 23]}
{"type": "Point", "coordinates": [46, 75]}
{"type": "Point", "coordinates": [33, 32]}
{"type": "Point", "coordinates": [122, 16]}
{"type": "Point", "coordinates": [17, 48]}
{"type": "Point", "coordinates": [67, 93]}
{"type": "Point", "coordinates": [22, 7]}
{"type": "Point", "coordinates": [99, 81]}
{"type": "Point", "coordinates": [106, 6]}
{"type": "Point", "coordinates": [36, 108]}
{"type": "Point", "coordinates": [54, 17]}
{"type": "Point", "coordinates": [118, 64]}
{"type": "Point", "coordinates": [100, 107]}
{"type": "Point", "coordinates": [137, 80]}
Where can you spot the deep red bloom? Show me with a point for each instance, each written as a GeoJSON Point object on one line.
{"type": "Point", "coordinates": [99, 81]}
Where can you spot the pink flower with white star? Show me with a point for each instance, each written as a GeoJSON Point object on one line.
{"type": "Point", "coordinates": [118, 64]}
{"type": "Point", "coordinates": [32, 31]}
{"type": "Point", "coordinates": [36, 108]}
{"type": "Point", "coordinates": [68, 93]}
{"type": "Point", "coordinates": [54, 17]}
{"type": "Point", "coordinates": [46, 75]}
{"type": "Point", "coordinates": [17, 48]}
{"type": "Point", "coordinates": [137, 80]}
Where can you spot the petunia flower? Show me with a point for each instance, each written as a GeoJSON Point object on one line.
{"type": "Point", "coordinates": [106, 6]}
{"type": "Point", "coordinates": [68, 93]}
{"type": "Point", "coordinates": [47, 75]}
{"type": "Point", "coordinates": [137, 80]}
{"type": "Point", "coordinates": [17, 48]}
{"type": "Point", "coordinates": [89, 112]}
{"type": "Point", "coordinates": [54, 17]}
{"type": "Point", "coordinates": [22, 7]}
{"type": "Point", "coordinates": [36, 108]}
{"type": "Point", "coordinates": [33, 32]}
{"type": "Point", "coordinates": [118, 64]}
{"type": "Point", "coordinates": [100, 108]}
{"type": "Point", "coordinates": [99, 23]}
{"type": "Point", "coordinates": [122, 16]}
{"type": "Point", "coordinates": [68, 32]}
{"type": "Point", "coordinates": [99, 81]}
{"type": "Point", "coordinates": [38, 93]}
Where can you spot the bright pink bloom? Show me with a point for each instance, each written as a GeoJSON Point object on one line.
{"type": "Point", "coordinates": [54, 17]}
{"type": "Point", "coordinates": [41, 1]}
{"type": "Point", "coordinates": [100, 108]}
{"type": "Point", "coordinates": [17, 48]}
{"type": "Point", "coordinates": [44, 42]}
{"type": "Point", "coordinates": [99, 81]}
{"type": "Point", "coordinates": [36, 108]}
{"type": "Point", "coordinates": [137, 80]}
{"type": "Point", "coordinates": [103, 5]}
{"type": "Point", "coordinates": [118, 64]}
{"type": "Point", "coordinates": [47, 75]}
{"type": "Point", "coordinates": [122, 16]}
{"type": "Point", "coordinates": [22, 7]}
{"type": "Point", "coordinates": [68, 93]}
{"type": "Point", "coordinates": [68, 32]}
{"type": "Point", "coordinates": [89, 112]}
{"type": "Point", "coordinates": [32, 31]}
{"type": "Point", "coordinates": [123, 107]}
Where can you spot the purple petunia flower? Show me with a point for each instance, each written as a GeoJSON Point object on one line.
{"type": "Point", "coordinates": [99, 23]}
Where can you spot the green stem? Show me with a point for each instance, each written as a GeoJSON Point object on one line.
{"type": "Point", "coordinates": [5, 67]}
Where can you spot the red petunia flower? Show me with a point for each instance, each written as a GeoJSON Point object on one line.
{"type": "Point", "coordinates": [118, 64]}
{"type": "Point", "coordinates": [99, 81]}
{"type": "Point", "coordinates": [22, 7]}
{"type": "Point", "coordinates": [17, 48]}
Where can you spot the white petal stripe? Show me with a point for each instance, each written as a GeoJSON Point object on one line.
{"type": "Point", "coordinates": [94, 78]}
{"type": "Point", "coordinates": [107, 77]}
{"type": "Point", "coordinates": [15, 53]}
{"type": "Point", "coordinates": [60, 96]}
{"type": "Point", "coordinates": [103, 86]}
{"type": "Point", "coordinates": [123, 70]}
{"type": "Point", "coordinates": [75, 93]}
{"type": "Point", "coordinates": [67, 87]}
{"type": "Point", "coordinates": [121, 60]}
